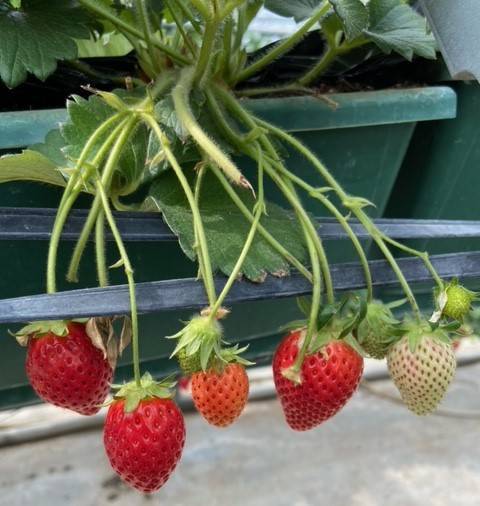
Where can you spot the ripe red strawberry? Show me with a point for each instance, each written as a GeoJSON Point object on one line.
{"type": "Point", "coordinates": [144, 434]}
{"type": "Point", "coordinates": [422, 365]}
{"type": "Point", "coordinates": [329, 377]}
{"type": "Point", "coordinates": [65, 368]}
{"type": "Point", "coordinates": [221, 395]}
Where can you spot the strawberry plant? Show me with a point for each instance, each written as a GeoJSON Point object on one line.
{"type": "Point", "coordinates": [171, 140]}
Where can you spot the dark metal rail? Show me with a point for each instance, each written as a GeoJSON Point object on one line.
{"type": "Point", "coordinates": [36, 224]}
{"type": "Point", "coordinates": [189, 293]}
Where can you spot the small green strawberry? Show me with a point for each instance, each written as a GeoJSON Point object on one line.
{"type": "Point", "coordinates": [189, 364]}
{"type": "Point", "coordinates": [375, 331]}
{"type": "Point", "coordinates": [458, 301]}
{"type": "Point", "coordinates": [422, 364]}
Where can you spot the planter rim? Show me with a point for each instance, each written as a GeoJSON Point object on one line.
{"type": "Point", "coordinates": [296, 114]}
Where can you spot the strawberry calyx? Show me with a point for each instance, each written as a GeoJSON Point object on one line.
{"type": "Point", "coordinates": [149, 389]}
{"type": "Point", "coordinates": [416, 331]}
{"type": "Point", "coordinates": [39, 329]}
{"type": "Point", "coordinates": [378, 330]}
{"type": "Point", "coordinates": [202, 337]}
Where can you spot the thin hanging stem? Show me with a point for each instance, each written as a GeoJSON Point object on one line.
{"type": "Point", "coordinates": [341, 219]}
{"type": "Point", "coordinates": [131, 282]}
{"type": "Point", "coordinates": [236, 140]}
{"type": "Point", "coordinates": [100, 256]}
{"type": "Point", "coordinates": [277, 246]}
{"type": "Point", "coordinates": [197, 193]}
{"type": "Point", "coordinates": [259, 210]}
{"type": "Point", "coordinates": [110, 166]}
{"type": "Point", "coordinates": [420, 254]}
{"type": "Point", "coordinates": [358, 212]}
{"type": "Point", "coordinates": [245, 117]}
{"type": "Point", "coordinates": [74, 187]}
{"type": "Point", "coordinates": [308, 226]}
{"type": "Point", "coordinates": [197, 218]}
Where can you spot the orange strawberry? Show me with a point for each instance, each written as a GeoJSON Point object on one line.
{"type": "Point", "coordinates": [220, 394]}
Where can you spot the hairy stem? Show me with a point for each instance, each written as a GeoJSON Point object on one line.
{"type": "Point", "coordinates": [358, 212]}
{"type": "Point", "coordinates": [196, 216]}
{"type": "Point", "coordinates": [260, 206]}
{"type": "Point", "coordinates": [180, 95]}
{"type": "Point", "coordinates": [100, 257]}
{"type": "Point", "coordinates": [341, 219]}
{"type": "Point", "coordinates": [235, 138]}
{"type": "Point", "coordinates": [110, 166]}
{"type": "Point", "coordinates": [248, 120]}
{"type": "Point", "coordinates": [131, 282]}
{"type": "Point", "coordinates": [179, 24]}
{"type": "Point", "coordinates": [74, 187]}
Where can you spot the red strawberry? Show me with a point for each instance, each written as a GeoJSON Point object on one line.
{"type": "Point", "coordinates": [329, 377]}
{"type": "Point", "coordinates": [220, 395]}
{"type": "Point", "coordinates": [144, 433]}
{"type": "Point", "coordinates": [65, 368]}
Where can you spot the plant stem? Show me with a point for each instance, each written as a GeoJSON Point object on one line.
{"type": "Point", "coordinates": [180, 28]}
{"type": "Point", "coordinates": [124, 26]}
{"type": "Point", "coordinates": [343, 222]}
{"type": "Point", "coordinates": [180, 95]}
{"type": "Point", "coordinates": [197, 193]}
{"type": "Point", "coordinates": [102, 271]}
{"type": "Point", "coordinates": [196, 216]}
{"type": "Point", "coordinates": [206, 52]}
{"type": "Point", "coordinates": [316, 260]}
{"type": "Point", "coordinates": [248, 120]}
{"type": "Point", "coordinates": [318, 69]}
{"type": "Point", "coordinates": [110, 166]}
{"type": "Point", "coordinates": [147, 31]}
{"type": "Point", "coordinates": [189, 15]}
{"type": "Point", "coordinates": [203, 9]}
{"type": "Point", "coordinates": [420, 254]}
{"type": "Point", "coordinates": [246, 247]}
{"type": "Point", "coordinates": [284, 46]}
{"type": "Point", "coordinates": [315, 308]}
{"type": "Point", "coordinates": [70, 195]}
{"type": "Point", "coordinates": [359, 213]}
{"type": "Point", "coordinates": [308, 227]}
{"type": "Point", "coordinates": [235, 138]}
{"type": "Point", "coordinates": [326, 60]}
{"type": "Point", "coordinates": [131, 282]}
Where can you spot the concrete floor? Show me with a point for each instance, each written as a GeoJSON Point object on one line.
{"type": "Point", "coordinates": [374, 453]}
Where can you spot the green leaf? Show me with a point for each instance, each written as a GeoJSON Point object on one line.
{"type": "Point", "coordinates": [354, 16]}
{"type": "Point", "coordinates": [108, 44]}
{"type": "Point", "coordinates": [331, 26]}
{"type": "Point", "coordinates": [29, 166]}
{"type": "Point", "coordinates": [226, 228]}
{"type": "Point", "coordinates": [297, 9]}
{"type": "Point", "coordinates": [395, 26]}
{"type": "Point", "coordinates": [38, 34]}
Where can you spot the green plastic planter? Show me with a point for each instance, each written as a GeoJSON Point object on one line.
{"type": "Point", "coordinates": [363, 141]}
{"type": "Point", "coordinates": [440, 176]}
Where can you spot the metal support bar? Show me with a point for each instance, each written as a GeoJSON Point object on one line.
{"type": "Point", "coordinates": [36, 224]}
{"type": "Point", "coordinates": [189, 293]}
